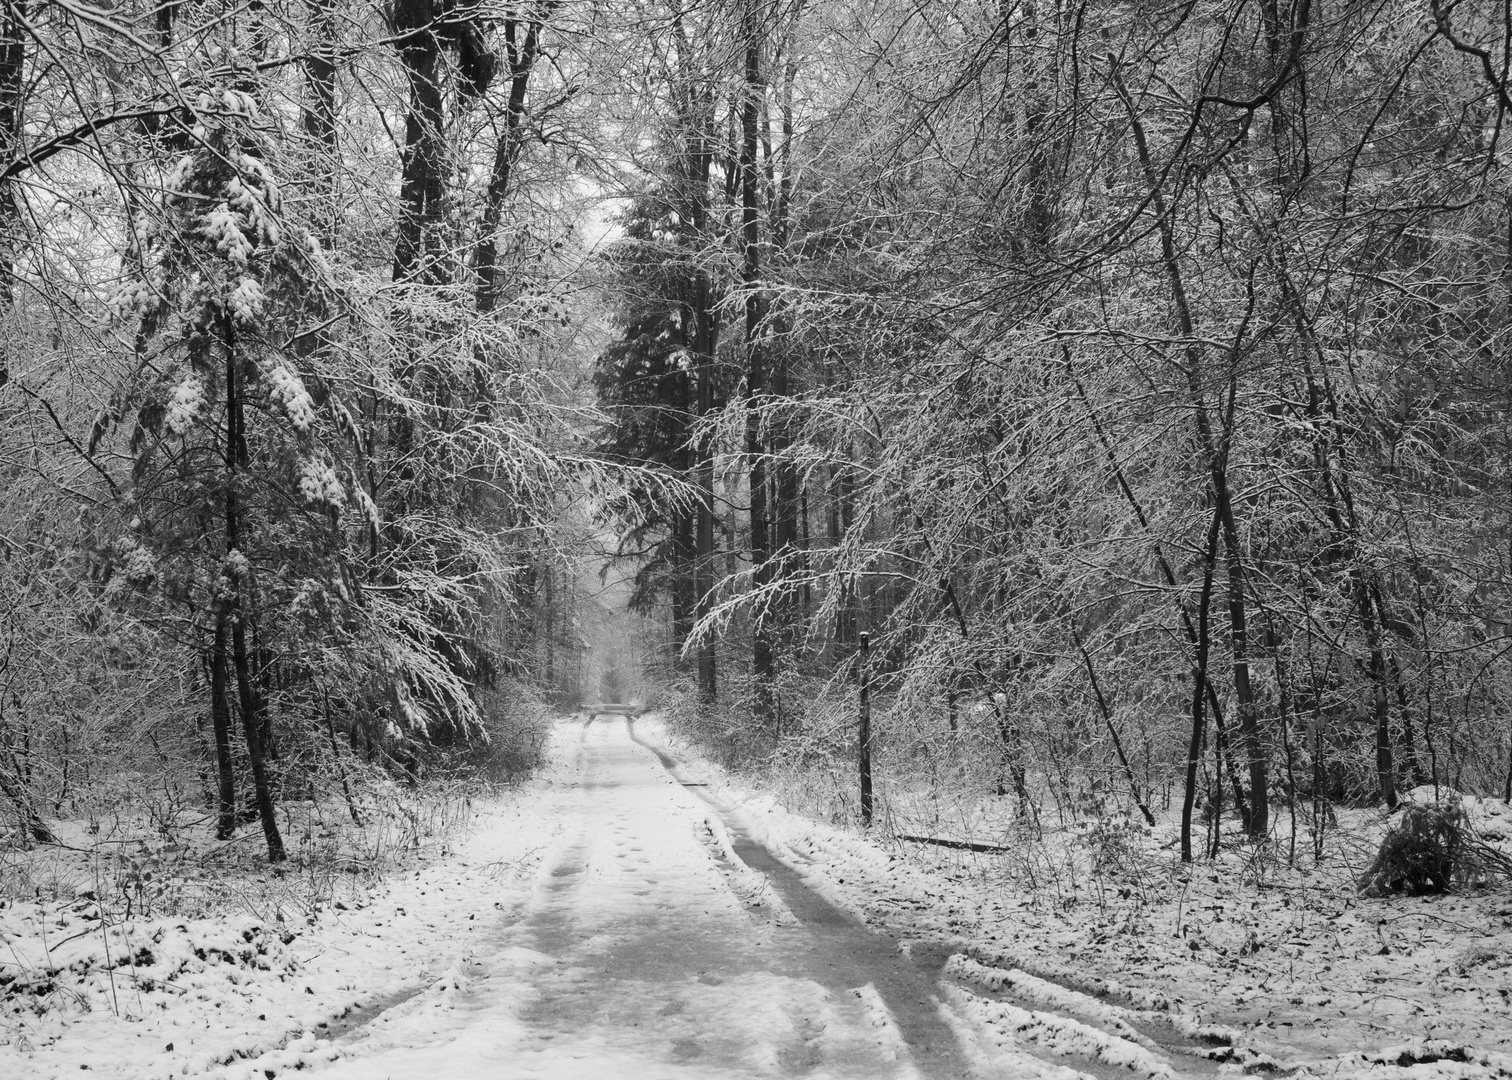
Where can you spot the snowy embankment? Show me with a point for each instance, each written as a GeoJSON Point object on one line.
{"type": "Point", "coordinates": [255, 994]}
{"type": "Point", "coordinates": [1243, 963]}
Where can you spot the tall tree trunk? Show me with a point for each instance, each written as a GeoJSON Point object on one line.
{"type": "Point", "coordinates": [1028, 110]}
{"type": "Point", "coordinates": [319, 118]}
{"type": "Point", "coordinates": [786, 494]}
{"type": "Point", "coordinates": [842, 520]}
{"type": "Point", "coordinates": [220, 722]}
{"type": "Point", "coordinates": [705, 331]}
{"type": "Point", "coordinates": [1257, 820]}
{"type": "Point", "coordinates": [684, 558]}
{"type": "Point", "coordinates": [418, 247]}
{"type": "Point", "coordinates": [763, 661]}
{"type": "Point", "coordinates": [12, 72]}
{"type": "Point", "coordinates": [864, 739]}
{"type": "Point", "coordinates": [237, 613]}
{"type": "Point", "coordinates": [694, 108]}
{"type": "Point", "coordinates": [522, 47]}
{"type": "Point", "coordinates": [1200, 689]}
{"type": "Point", "coordinates": [421, 190]}
{"type": "Point", "coordinates": [552, 600]}
{"type": "Point", "coordinates": [1338, 503]}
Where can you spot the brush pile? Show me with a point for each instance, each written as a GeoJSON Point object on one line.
{"type": "Point", "coordinates": [1438, 845]}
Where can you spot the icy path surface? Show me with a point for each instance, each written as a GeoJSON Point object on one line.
{"type": "Point", "coordinates": [659, 942]}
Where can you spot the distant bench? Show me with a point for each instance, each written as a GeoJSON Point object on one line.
{"type": "Point", "coordinates": [614, 709]}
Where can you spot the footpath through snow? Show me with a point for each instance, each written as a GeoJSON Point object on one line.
{"type": "Point", "coordinates": [630, 913]}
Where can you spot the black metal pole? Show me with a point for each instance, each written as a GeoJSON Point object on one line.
{"type": "Point", "coordinates": [863, 675]}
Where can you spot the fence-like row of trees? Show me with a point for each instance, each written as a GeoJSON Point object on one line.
{"type": "Point", "coordinates": [1137, 375]}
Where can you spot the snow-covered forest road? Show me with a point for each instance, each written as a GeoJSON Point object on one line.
{"type": "Point", "coordinates": [679, 925]}
{"type": "Point", "coordinates": [632, 911]}
{"type": "Point", "coordinates": [651, 948]}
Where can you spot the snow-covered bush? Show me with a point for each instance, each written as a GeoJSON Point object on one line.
{"type": "Point", "coordinates": [1445, 839]}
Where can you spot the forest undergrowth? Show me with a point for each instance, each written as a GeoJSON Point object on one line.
{"type": "Point", "coordinates": [136, 894]}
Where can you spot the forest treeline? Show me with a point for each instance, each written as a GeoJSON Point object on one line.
{"type": "Point", "coordinates": [289, 425]}
{"type": "Point", "coordinates": [1133, 375]}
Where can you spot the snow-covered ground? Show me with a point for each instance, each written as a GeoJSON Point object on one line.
{"type": "Point", "coordinates": [634, 913]}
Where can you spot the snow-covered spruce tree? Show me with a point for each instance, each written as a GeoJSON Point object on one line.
{"type": "Point", "coordinates": [237, 485]}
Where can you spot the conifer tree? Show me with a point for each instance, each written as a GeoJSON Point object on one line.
{"type": "Point", "coordinates": [237, 487]}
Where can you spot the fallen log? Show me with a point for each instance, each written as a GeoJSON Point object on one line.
{"type": "Point", "coordinates": [958, 845]}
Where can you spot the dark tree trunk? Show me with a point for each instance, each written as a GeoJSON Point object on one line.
{"type": "Point", "coordinates": [346, 787]}
{"type": "Point", "coordinates": [419, 247]}
{"type": "Point", "coordinates": [1189, 631]}
{"type": "Point", "coordinates": [421, 192]}
{"type": "Point", "coordinates": [1200, 690]}
{"type": "Point", "coordinates": [864, 739]}
{"type": "Point", "coordinates": [12, 72]}
{"type": "Point", "coordinates": [264, 671]}
{"type": "Point", "coordinates": [1257, 820]}
{"type": "Point", "coordinates": [220, 722]}
{"type": "Point", "coordinates": [521, 54]}
{"type": "Point", "coordinates": [842, 520]}
{"type": "Point", "coordinates": [1338, 504]}
{"type": "Point", "coordinates": [683, 596]}
{"type": "Point", "coordinates": [552, 600]}
{"type": "Point", "coordinates": [763, 660]}
{"type": "Point", "coordinates": [703, 473]}
{"type": "Point", "coordinates": [694, 107]}
{"type": "Point", "coordinates": [319, 119]}
{"type": "Point", "coordinates": [237, 613]}
{"type": "Point", "coordinates": [32, 825]}
{"type": "Point", "coordinates": [787, 501]}
{"type": "Point", "coordinates": [252, 726]}
{"type": "Point", "coordinates": [1030, 110]}
{"type": "Point", "coordinates": [1013, 751]}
